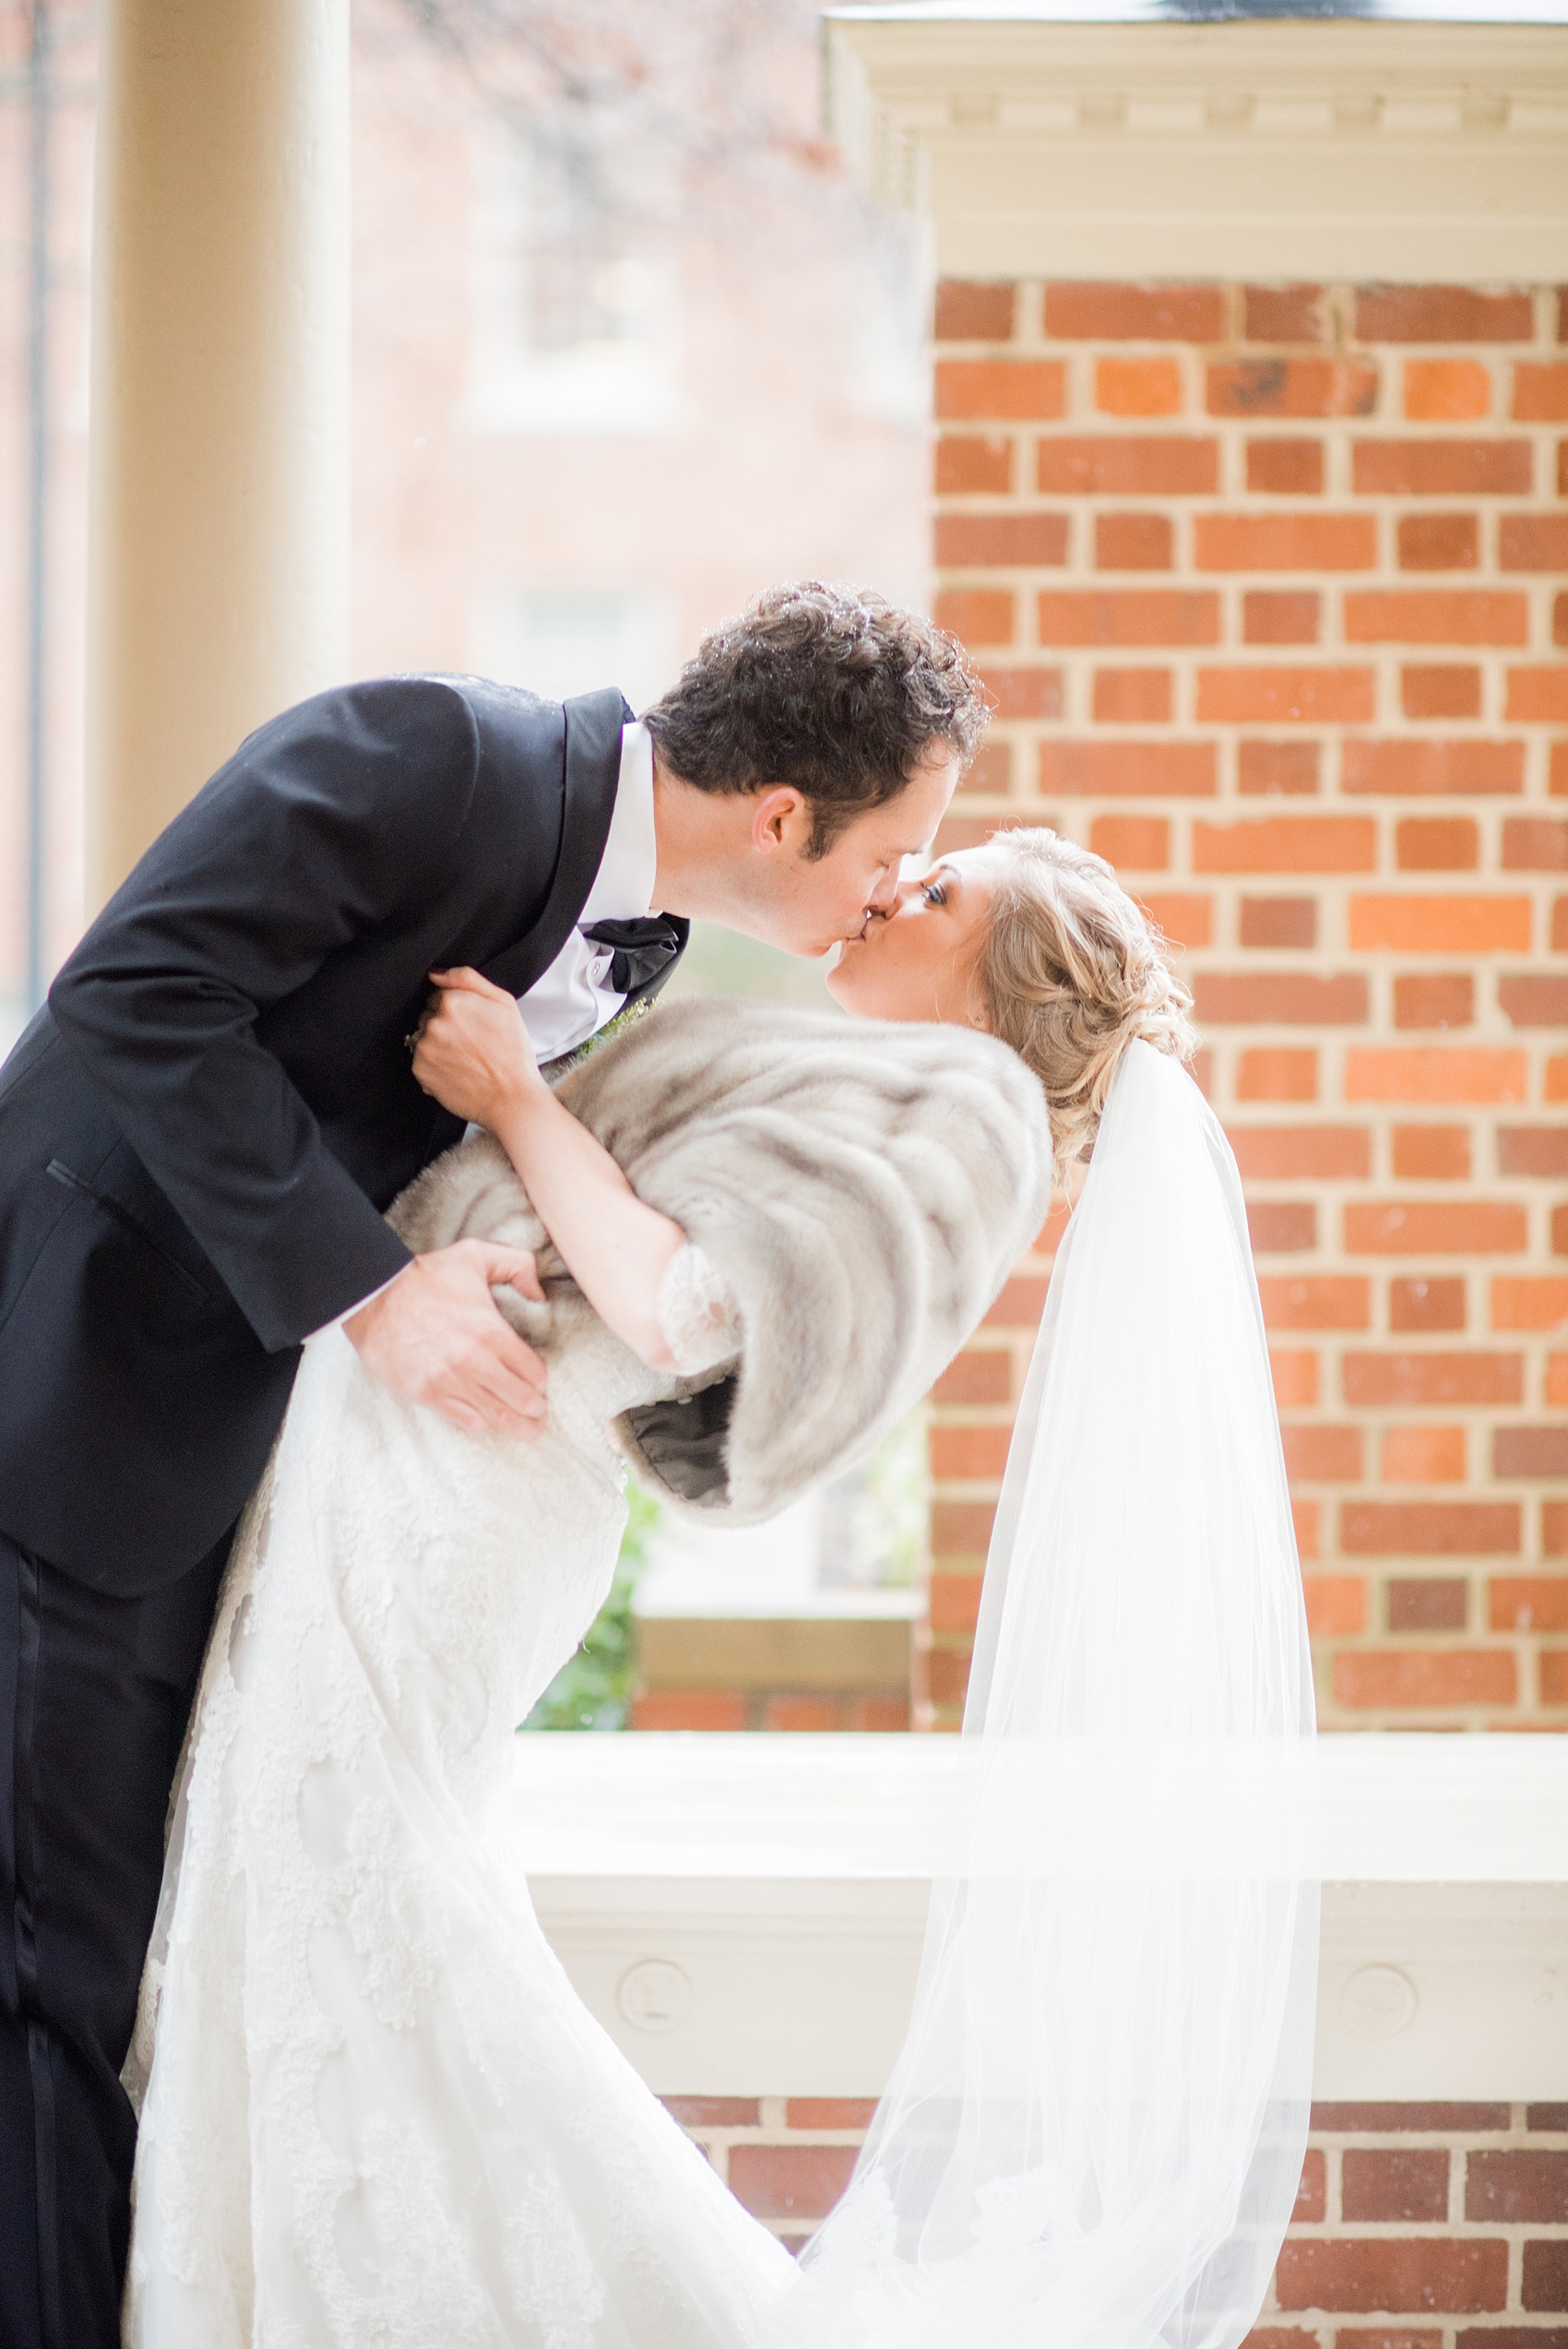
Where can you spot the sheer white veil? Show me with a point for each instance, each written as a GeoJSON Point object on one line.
{"type": "Point", "coordinates": [1093, 2134]}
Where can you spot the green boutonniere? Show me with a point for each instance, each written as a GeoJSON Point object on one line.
{"type": "Point", "coordinates": [555, 1069]}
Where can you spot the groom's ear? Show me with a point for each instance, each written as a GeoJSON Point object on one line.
{"type": "Point", "coordinates": [781, 820]}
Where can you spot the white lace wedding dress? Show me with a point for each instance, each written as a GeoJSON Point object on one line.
{"type": "Point", "coordinates": [374, 2114]}
{"type": "Point", "coordinates": [379, 2117]}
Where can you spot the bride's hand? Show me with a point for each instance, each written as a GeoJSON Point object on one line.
{"type": "Point", "coordinates": [473, 1051]}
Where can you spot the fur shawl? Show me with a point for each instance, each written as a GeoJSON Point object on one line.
{"type": "Point", "coordinates": [863, 1189]}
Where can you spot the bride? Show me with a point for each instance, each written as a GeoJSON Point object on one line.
{"type": "Point", "coordinates": [374, 2115]}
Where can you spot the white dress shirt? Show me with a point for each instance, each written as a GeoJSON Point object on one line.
{"type": "Point", "coordinates": [571, 1000]}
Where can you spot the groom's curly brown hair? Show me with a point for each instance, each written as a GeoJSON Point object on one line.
{"type": "Point", "coordinates": [832, 689]}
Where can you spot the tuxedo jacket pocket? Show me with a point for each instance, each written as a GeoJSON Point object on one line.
{"type": "Point", "coordinates": [27, 1227]}
{"type": "Point", "coordinates": [118, 1212]}
{"type": "Point", "coordinates": [136, 1407]}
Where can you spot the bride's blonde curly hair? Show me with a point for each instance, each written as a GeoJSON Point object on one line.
{"type": "Point", "coordinates": [1069, 972]}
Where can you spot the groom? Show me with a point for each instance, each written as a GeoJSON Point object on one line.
{"type": "Point", "coordinates": [197, 1139]}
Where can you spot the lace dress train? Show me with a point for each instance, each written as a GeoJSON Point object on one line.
{"type": "Point", "coordinates": [375, 2114]}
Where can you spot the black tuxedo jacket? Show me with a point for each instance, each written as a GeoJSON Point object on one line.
{"type": "Point", "coordinates": [198, 1136]}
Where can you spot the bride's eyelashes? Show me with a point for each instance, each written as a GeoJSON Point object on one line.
{"type": "Point", "coordinates": [933, 893]}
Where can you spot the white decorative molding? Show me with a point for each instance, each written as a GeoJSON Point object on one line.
{"type": "Point", "coordinates": [1280, 147]}
{"type": "Point", "coordinates": [744, 1913]}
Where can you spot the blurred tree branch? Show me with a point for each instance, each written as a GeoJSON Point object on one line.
{"type": "Point", "coordinates": [636, 103]}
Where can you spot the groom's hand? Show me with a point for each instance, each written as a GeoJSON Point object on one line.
{"type": "Point", "coordinates": [436, 1335]}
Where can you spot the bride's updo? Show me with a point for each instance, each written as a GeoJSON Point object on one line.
{"type": "Point", "coordinates": [1069, 972]}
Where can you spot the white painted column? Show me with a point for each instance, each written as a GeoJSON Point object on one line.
{"type": "Point", "coordinates": [218, 570]}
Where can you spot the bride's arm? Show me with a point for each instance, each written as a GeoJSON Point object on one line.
{"type": "Point", "coordinates": [474, 1055]}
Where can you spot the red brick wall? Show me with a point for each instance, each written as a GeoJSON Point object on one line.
{"type": "Point", "coordinates": [1268, 584]}
{"type": "Point", "coordinates": [1418, 2227]}
{"type": "Point", "coordinates": [788, 2158]}
{"type": "Point", "coordinates": [1427, 2226]}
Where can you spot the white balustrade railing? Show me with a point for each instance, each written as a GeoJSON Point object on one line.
{"type": "Point", "coordinates": [744, 1913]}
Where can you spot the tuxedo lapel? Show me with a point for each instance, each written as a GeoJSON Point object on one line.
{"type": "Point", "coordinates": [594, 721]}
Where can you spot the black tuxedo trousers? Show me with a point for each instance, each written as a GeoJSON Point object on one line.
{"type": "Point", "coordinates": [197, 1139]}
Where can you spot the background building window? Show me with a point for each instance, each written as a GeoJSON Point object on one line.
{"type": "Point", "coordinates": [570, 332]}
{"type": "Point", "coordinates": [560, 641]}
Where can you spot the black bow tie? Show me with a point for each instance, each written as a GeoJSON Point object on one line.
{"type": "Point", "coordinates": [642, 948]}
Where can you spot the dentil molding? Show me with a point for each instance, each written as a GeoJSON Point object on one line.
{"type": "Point", "coordinates": [1042, 143]}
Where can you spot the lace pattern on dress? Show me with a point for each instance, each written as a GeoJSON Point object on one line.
{"type": "Point", "coordinates": [696, 1313]}
{"type": "Point", "coordinates": [375, 2115]}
